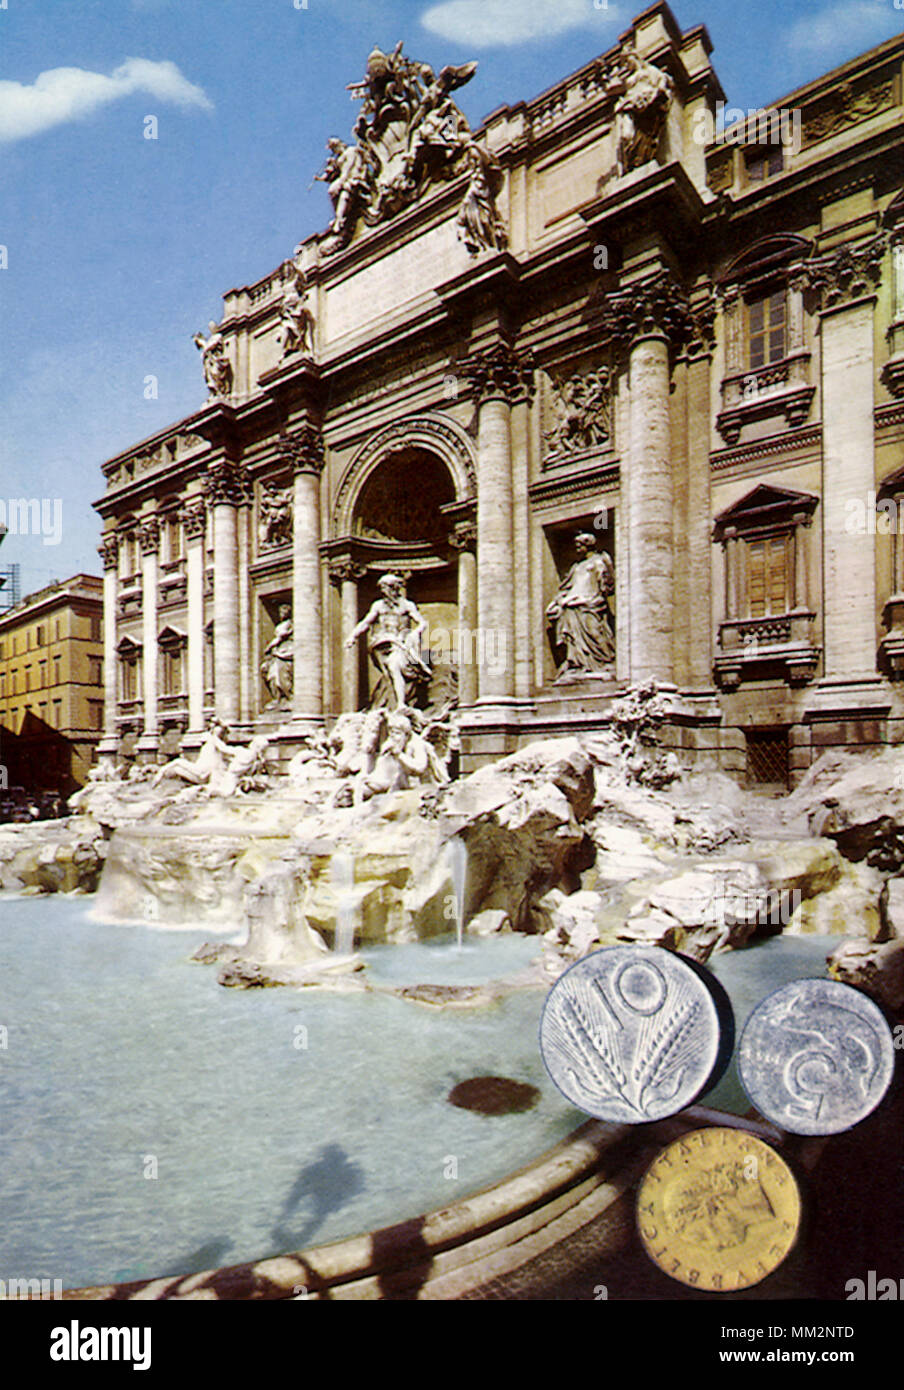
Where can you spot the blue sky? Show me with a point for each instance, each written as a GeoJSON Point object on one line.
{"type": "Point", "coordinates": [119, 247]}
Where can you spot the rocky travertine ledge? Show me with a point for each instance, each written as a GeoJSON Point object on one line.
{"type": "Point", "coordinates": [579, 841]}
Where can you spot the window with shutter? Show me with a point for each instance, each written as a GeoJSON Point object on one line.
{"type": "Point", "coordinates": [767, 576]}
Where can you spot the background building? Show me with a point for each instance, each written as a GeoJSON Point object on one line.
{"type": "Point", "coordinates": [51, 686]}
{"type": "Point", "coordinates": [597, 315]}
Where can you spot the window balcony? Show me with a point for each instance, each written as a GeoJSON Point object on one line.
{"type": "Point", "coordinates": [172, 582]}
{"type": "Point", "coordinates": [891, 648]}
{"type": "Point", "coordinates": [777, 389]}
{"type": "Point", "coordinates": [779, 645]}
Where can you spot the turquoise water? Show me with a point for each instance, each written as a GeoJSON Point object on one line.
{"type": "Point", "coordinates": [747, 977]}
{"type": "Point", "coordinates": [123, 1060]}
{"type": "Point", "coordinates": [152, 1122]}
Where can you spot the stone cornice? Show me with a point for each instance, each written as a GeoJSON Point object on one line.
{"type": "Point", "coordinates": [303, 450]}
{"type": "Point", "coordinates": [500, 373]}
{"type": "Point", "coordinates": [808, 437]}
{"type": "Point", "coordinates": [893, 375]}
{"type": "Point", "coordinates": [887, 416]}
{"type": "Point", "coordinates": [550, 489]}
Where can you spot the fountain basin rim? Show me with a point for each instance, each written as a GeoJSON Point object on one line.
{"type": "Point", "coordinates": [561, 1177]}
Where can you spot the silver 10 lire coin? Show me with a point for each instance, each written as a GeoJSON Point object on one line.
{"type": "Point", "coordinates": [816, 1057]}
{"type": "Point", "coordinates": [630, 1034]}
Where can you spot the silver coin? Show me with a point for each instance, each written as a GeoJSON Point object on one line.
{"type": "Point", "coordinates": [816, 1057]}
{"type": "Point", "coordinates": [630, 1034]}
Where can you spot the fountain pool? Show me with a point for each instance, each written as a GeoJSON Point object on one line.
{"type": "Point", "coordinates": [154, 1123]}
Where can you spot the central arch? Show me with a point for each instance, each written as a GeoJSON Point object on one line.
{"type": "Point", "coordinates": [396, 510]}
{"type": "Point", "coordinates": [434, 434]}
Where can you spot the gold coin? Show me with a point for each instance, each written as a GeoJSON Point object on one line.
{"type": "Point", "coordinates": [718, 1210]}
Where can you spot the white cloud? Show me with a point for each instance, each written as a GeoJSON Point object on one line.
{"type": "Point", "coordinates": [67, 94]}
{"type": "Point", "coordinates": [847, 26]}
{"type": "Point", "coordinates": [487, 23]}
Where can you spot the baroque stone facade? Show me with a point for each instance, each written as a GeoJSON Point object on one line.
{"type": "Point", "coordinates": [593, 317]}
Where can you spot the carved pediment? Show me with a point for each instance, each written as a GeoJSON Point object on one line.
{"type": "Point", "coordinates": [764, 507]}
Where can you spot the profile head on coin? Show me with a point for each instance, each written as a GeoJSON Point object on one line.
{"type": "Point", "coordinates": [718, 1210]}
{"type": "Point", "coordinates": [631, 1034]}
{"type": "Point", "coordinates": [816, 1057]}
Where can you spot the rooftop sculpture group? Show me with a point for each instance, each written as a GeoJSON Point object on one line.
{"type": "Point", "coordinates": [409, 133]}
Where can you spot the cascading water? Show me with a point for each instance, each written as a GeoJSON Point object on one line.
{"type": "Point", "coordinates": [342, 875]}
{"type": "Point", "coordinates": [457, 853]}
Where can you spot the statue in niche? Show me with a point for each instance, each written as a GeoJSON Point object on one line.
{"type": "Point", "coordinates": [278, 664]}
{"type": "Point", "coordinates": [580, 614]}
{"type": "Point", "coordinates": [582, 413]}
{"type": "Point", "coordinates": [296, 322]}
{"type": "Point", "coordinates": [217, 367]}
{"type": "Point", "coordinates": [643, 92]}
{"type": "Point", "coordinates": [394, 626]}
{"type": "Point", "coordinates": [276, 515]}
{"type": "Point", "coordinates": [479, 225]}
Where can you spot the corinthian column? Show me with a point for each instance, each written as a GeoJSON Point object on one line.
{"type": "Point", "coordinates": [645, 318]}
{"type": "Point", "coordinates": [464, 540]}
{"type": "Point", "coordinates": [109, 744]}
{"type": "Point", "coordinates": [304, 450]}
{"type": "Point", "coordinates": [149, 540]}
{"type": "Point", "coordinates": [499, 377]}
{"type": "Point", "coordinates": [226, 491]}
{"type": "Point", "coordinates": [194, 523]}
{"type": "Point", "coordinates": [346, 575]}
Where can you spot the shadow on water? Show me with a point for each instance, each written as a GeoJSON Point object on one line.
{"type": "Point", "coordinates": [323, 1186]}
{"type": "Point", "coordinates": [207, 1256]}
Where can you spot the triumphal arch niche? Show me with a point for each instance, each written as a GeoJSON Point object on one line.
{"type": "Point", "coordinates": [405, 508]}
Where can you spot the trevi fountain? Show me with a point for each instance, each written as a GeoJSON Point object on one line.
{"type": "Point", "coordinates": [252, 1014]}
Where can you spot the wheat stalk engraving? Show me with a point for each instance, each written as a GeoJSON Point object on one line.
{"type": "Point", "coordinates": [637, 1068]}
{"type": "Point", "coordinates": [671, 1049]}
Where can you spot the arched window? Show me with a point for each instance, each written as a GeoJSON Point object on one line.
{"type": "Point", "coordinates": [767, 361]}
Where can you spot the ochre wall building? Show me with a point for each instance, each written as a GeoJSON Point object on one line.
{"type": "Point", "coordinates": [51, 685]}
{"type": "Point", "coordinates": [595, 315]}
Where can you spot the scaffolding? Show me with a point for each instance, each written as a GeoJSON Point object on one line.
{"type": "Point", "coordinates": [10, 587]}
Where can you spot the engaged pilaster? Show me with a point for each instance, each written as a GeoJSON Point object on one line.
{"type": "Point", "coordinates": [845, 280]}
